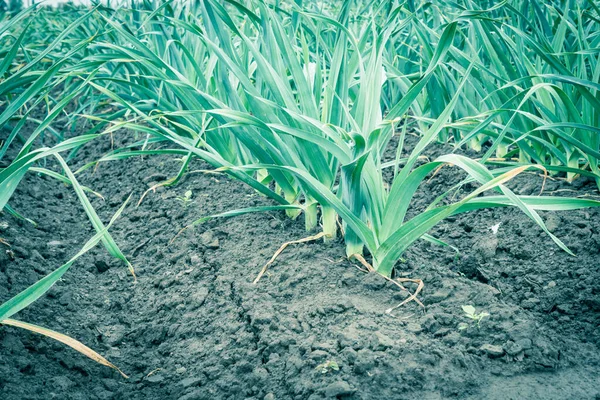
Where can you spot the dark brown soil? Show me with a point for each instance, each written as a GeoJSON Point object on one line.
{"type": "Point", "coordinates": [195, 327]}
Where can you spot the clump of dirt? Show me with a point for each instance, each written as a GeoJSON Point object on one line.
{"type": "Point", "coordinates": [195, 327]}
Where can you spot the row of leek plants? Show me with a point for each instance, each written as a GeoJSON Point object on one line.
{"type": "Point", "coordinates": [533, 96]}
{"type": "Point", "coordinates": [36, 79]}
{"type": "Point", "coordinates": [289, 101]}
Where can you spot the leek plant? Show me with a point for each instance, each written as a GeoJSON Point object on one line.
{"type": "Point", "coordinates": [294, 103]}
{"type": "Point", "coordinates": [25, 88]}
{"type": "Point", "coordinates": [34, 74]}
{"type": "Point", "coordinates": [301, 102]}
{"type": "Point", "coordinates": [534, 92]}
{"type": "Point", "coordinates": [552, 87]}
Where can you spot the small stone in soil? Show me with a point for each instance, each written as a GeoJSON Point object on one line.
{"type": "Point", "coordinates": [189, 382]}
{"type": "Point", "coordinates": [492, 351]}
{"type": "Point", "coordinates": [494, 291]}
{"type": "Point", "coordinates": [195, 259]}
{"type": "Point", "coordinates": [325, 346]}
{"type": "Point", "coordinates": [442, 332]}
{"type": "Point", "coordinates": [349, 338]}
{"type": "Point", "coordinates": [318, 355]}
{"type": "Point", "coordinates": [209, 240]}
{"type": "Point", "coordinates": [486, 247]}
{"type": "Point", "coordinates": [349, 279]}
{"type": "Point", "coordinates": [196, 394]}
{"type": "Point", "coordinates": [373, 281]}
{"type": "Point", "coordinates": [414, 328]}
{"type": "Point", "coordinates": [349, 354]}
{"type": "Point", "coordinates": [512, 349]}
{"type": "Point", "coordinates": [553, 222]}
{"type": "Point", "coordinates": [439, 296]}
{"type": "Point", "coordinates": [155, 378]}
{"type": "Point", "coordinates": [381, 342]}
{"type": "Point", "coordinates": [199, 297]}
{"type": "Point", "coordinates": [65, 298]}
{"type": "Point", "coordinates": [339, 388]}
{"type": "Point", "coordinates": [530, 303]}
{"type": "Point", "coordinates": [525, 344]}
{"type": "Point", "coordinates": [62, 383]}
{"type": "Point", "coordinates": [113, 335]}
{"type": "Point", "coordinates": [101, 265]}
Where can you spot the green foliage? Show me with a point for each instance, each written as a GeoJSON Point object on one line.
{"type": "Point", "coordinates": [15, 6]}
{"type": "Point", "coordinates": [36, 55]}
{"type": "Point", "coordinates": [473, 315]}
{"type": "Point", "coordinates": [302, 105]}
{"type": "Point", "coordinates": [302, 101]}
{"type": "Point", "coordinates": [186, 199]}
{"type": "Point", "coordinates": [327, 367]}
{"type": "Point", "coordinates": [534, 94]}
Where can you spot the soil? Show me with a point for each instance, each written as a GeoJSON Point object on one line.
{"type": "Point", "coordinates": [194, 326]}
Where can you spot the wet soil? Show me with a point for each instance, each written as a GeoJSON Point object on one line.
{"type": "Point", "coordinates": [194, 326]}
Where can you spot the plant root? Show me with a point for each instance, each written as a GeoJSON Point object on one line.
{"type": "Point", "coordinates": [153, 189]}
{"type": "Point", "coordinates": [153, 372]}
{"type": "Point", "coordinates": [282, 248]}
{"type": "Point", "coordinates": [437, 170]}
{"type": "Point", "coordinates": [179, 233]}
{"type": "Point", "coordinates": [412, 297]}
{"type": "Point", "coordinates": [397, 282]}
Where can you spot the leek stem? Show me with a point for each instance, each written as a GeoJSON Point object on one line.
{"type": "Point", "coordinates": [329, 219]}
{"type": "Point", "coordinates": [310, 216]}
